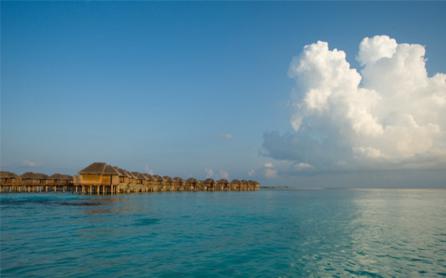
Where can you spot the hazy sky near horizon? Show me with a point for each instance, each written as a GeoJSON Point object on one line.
{"type": "Point", "coordinates": [226, 89]}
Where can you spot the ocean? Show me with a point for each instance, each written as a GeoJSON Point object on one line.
{"type": "Point", "coordinates": [269, 233]}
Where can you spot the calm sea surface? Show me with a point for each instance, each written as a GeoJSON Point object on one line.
{"type": "Point", "coordinates": [368, 233]}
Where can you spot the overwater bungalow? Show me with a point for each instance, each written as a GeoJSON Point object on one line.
{"type": "Point", "coordinates": [102, 178]}
{"type": "Point", "coordinates": [138, 178]}
{"type": "Point", "coordinates": [61, 182]}
{"type": "Point", "coordinates": [222, 185]}
{"type": "Point", "coordinates": [124, 176]}
{"type": "Point", "coordinates": [50, 183]}
{"type": "Point", "coordinates": [178, 184]}
{"type": "Point", "coordinates": [33, 182]}
{"type": "Point", "coordinates": [135, 178]}
{"type": "Point", "coordinates": [9, 181]}
{"type": "Point", "coordinates": [99, 177]}
{"type": "Point", "coordinates": [243, 185]}
{"type": "Point", "coordinates": [167, 184]}
{"type": "Point", "coordinates": [157, 183]}
{"type": "Point", "coordinates": [209, 185]}
{"type": "Point", "coordinates": [148, 182]}
{"type": "Point", "coordinates": [141, 178]}
{"type": "Point", "coordinates": [253, 185]}
{"type": "Point", "coordinates": [234, 185]}
{"type": "Point", "coordinates": [124, 180]}
{"type": "Point", "coordinates": [76, 181]}
{"type": "Point", "coordinates": [191, 184]}
{"type": "Point", "coordinates": [200, 185]}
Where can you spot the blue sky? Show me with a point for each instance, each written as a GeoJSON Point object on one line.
{"type": "Point", "coordinates": [177, 88]}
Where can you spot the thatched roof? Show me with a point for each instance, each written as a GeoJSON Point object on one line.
{"type": "Point", "coordinates": [157, 178]}
{"type": "Point", "coordinates": [58, 176]}
{"type": "Point", "coordinates": [99, 168]}
{"type": "Point", "coordinates": [133, 176]}
{"type": "Point", "coordinates": [27, 175]}
{"type": "Point", "coordinates": [31, 175]}
{"type": "Point", "coordinates": [138, 175]}
{"type": "Point", "coordinates": [95, 168]}
{"type": "Point", "coordinates": [5, 174]}
{"type": "Point", "coordinates": [110, 170]}
{"type": "Point", "coordinates": [191, 181]}
{"type": "Point", "coordinates": [177, 179]}
{"type": "Point", "coordinates": [209, 181]}
{"type": "Point", "coordinates": [222, 181]}
{"type": "Point", "coordinates": [102, 168]}
{"type": "Point", "coordinates": [130, 175]}
{"type": "Point", "coordinates": [123, 172]}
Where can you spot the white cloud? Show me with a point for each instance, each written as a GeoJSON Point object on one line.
{"type": "Point", "coordinates": [376, 48]}
{"type": "Point", "coordinates": [29, 163]}
{"type": "Point", "coordinates": [302, 166]}
{"type": "Point", "coordinates": [270, 170]}
{"type": "Point", "coordinates": [148, 170]}
{"type": "Point", "coordinates": [251, 172]}
{"type": "Point", "coordinates": [388, 113]}
{"type": "Point", "coordinates": [209, 173]}
{"type": "Point", "coordinates": [227, 136]}
{"type": "Point", "coordinates": [223, 174]}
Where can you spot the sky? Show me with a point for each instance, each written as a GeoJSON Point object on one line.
{"type": "Point", "coordinates": [305, 94]}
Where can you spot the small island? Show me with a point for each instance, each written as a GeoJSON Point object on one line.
{"type": "Point", "coordinates": [103, 178]}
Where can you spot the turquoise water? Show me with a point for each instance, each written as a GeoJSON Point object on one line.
{"type": "Point", "coordinates": [367, 233]}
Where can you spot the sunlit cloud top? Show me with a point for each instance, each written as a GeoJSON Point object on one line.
{"type": "Point", "coordinates": [389, 113]}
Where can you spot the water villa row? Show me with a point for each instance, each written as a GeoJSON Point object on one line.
{"type": "Point", "coordinates": [102, 178]}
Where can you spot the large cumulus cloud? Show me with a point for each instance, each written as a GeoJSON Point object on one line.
{"type": "Point", "coordinates": [390, 113]}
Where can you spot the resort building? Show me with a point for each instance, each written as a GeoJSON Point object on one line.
{"type": "Point", "coordinates": [102, 178]}
{"type": "Point", "coordinates": [98, 178]}
{"type": "Point", "coordinates": [33, 182]}
{"type": "Point", "coordinates": [9, 181]}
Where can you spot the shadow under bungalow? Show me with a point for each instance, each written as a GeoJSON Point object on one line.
{"type": "Point", "coordinates": [102, 178]}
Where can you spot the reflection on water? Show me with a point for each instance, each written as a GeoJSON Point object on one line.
{"type": "Point", "coordinates": [364, 233]}
{"type": "Point", "coordinates": [400, 231]}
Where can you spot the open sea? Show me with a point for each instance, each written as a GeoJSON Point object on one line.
{"type": "Point", "coordinates": [269, 233]}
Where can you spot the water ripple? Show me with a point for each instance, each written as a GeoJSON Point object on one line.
{"type": "Point", "coordinates": [332, 233]}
